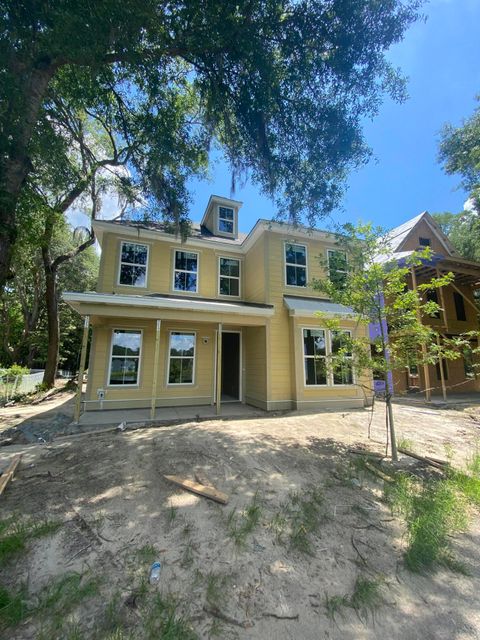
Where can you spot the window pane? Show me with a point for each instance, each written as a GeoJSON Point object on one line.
{"type": "Point", "coordinates": [291, 275]}
{"type": "Point", "coordinates": [226, 226]}
{"type": "Point", "coordinates": [175, 374]}
{"type": "Point", "coordinates": [190, 282]}
{"type": "Point", "coordinates": [337, 260]}
{"type": "Point", "coordinates": [182, 344]}
{"type": "Point", "coordinates": [295, 254]}
{"type": "Point", "coordinates": [314, 342]}
{"type": "Point", "coordinates": [339, 341]}
{"type": "Point", "coordinates": [225, 286]}
{"type": "Point", "coordinates": [229, 267]}
{"type": "Point", "coordinates": [320, 370]}
{"type": "Point", "coordinates": [310, 371]}
{"type": "Point", "coordinates": [344, 374]}
{"type": "Point", "coordinates": [126, 343]}
{"type": "Point", "coordinates": [187, 370]}
{"type": "Point", "coordinates": [234, 287]}
{"type": "Point", "coordinates": [124, 370]}
{"type": "Point", "coordinates": [226, 213]}
{"type": "Point", "coordinates": [134, 253]}
{"type": "Point", "coordinates": [128, 252]}
{"type": "Point", "coordinates": [185, 261]}
{"type": "Point", "coordinates": [132, 275]}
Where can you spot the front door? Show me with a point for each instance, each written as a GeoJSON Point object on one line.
{"type": "Point", "coordinates": [230, 366]}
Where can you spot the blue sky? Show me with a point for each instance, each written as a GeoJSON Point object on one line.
{"type": "Point", "coordinates": [441, 58]}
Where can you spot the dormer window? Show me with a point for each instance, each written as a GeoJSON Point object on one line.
{"type": "Point", "coordinates": [226, 220]}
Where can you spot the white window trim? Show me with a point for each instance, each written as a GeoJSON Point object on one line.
{"type": "Point", "coordinates": [141, 244]}
{"type": "Point", "coordinates": [174, 270]}
{"type": "Point", "coordinates": [182, 384]}
{"type": "Point", "coordinates": [329, 251]}
{"type": "Point", "coordinates": [328, 353]}
{"type": "Point", "coordinates": [218, 231]}
{"type": "Point", "coordinates": [123, 386]}
{"type": "Point", "coordinates": [224, 295]}
{"type": "Point", "coordinates": [285, 263]}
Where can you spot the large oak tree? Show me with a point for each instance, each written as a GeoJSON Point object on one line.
{"type": "Point", "coordinates": [281, 85]}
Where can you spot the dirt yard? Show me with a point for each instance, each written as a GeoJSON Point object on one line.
{"type": "Point", "coordinates": [254, 568]}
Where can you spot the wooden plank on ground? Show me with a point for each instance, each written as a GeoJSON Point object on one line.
{"type": "Point", "coordinates": [9, 473]}
{"type": "Point", "coordinates": [429, 461]}
{"type": "Point", "coordinates": [200, 489]}
{"type": "Point", "coordinates": [202, 478]}
{"type": "Point", "coordinates": [378, 472]}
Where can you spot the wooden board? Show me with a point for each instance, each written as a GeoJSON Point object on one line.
{"type": "Point", "coordinates": [200, 489]}
{"type": "Point", "coordinates": [429, 461]}
{"type": "Point", "coordinates": [9, 473]}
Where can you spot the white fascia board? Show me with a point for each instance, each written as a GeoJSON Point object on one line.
{"type": "Point", "coordinates": [150, 234]}
{"type": "Point", "coordinates": [304, 313]}
{"type": "Point", "coordinates": [164, 303]}
{"type": "Point", "coordinates": [226, 202]}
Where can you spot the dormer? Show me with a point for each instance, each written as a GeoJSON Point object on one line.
{"type": "Point", "coordinates": [221, 217]}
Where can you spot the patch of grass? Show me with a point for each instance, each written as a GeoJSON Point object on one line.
{"type": "Point", "coordinates": [216, 589]}
{"type": "Point", "coordinates": [434, 509]}
{"type": "Point", "coordinates": [366, 597]}
{"type": "Point", "coordinates": [469, 483]}
{"type": "Point", "coordinates": [146, 554]}
{"type": "Point", "coordinates": [162, 620]}
{"type": "Point", "coordinates": [241, 526]}
{"type": "Point", "coordinates": [13, 607]}
{"type": "Point", "coordinates": [334, 605]}
{"type": "Point", "coordinates": [364, 600]}
{"type": "Point", "coordinates": [405, 443]}
{"type": "Point", "coordinates": [172, 515]}
{"type": "Point", "coordinates": [305, 516]}
{"type": "Point", "coordinates": [64, 594]}
{"type": "Point", "coordinates": [278, 524]}
{"type": "Point", "coordinates": [15, 535]}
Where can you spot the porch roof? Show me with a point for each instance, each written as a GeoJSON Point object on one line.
{"type": "Point", "coordinates": [89, 303]}
{"type": "Point", "coordinates": [302, 306]}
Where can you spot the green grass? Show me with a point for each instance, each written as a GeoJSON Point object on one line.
{"type": "Point", "coordinates": [13, 607]}
{"type": "Point", "coordinates": [15, 535]}
{"type": "Point", "coordinates": [365, 599]}
{"type": "Point", "coordinates": [216, 589]}
{"type": "Point", "coordinates": [434, 510]}
{"type": "Point", "coordinates": [241, 526]}
{"type": "Point", "coordinates": [62, 595]}
{"type": "Point", "coordinates": [405, 443]}
{"type": "Point", "coordinates": [305, 516]}
{"type": "Point", "coordinates": [162, 620]}
{"type": "Point", "coordinates": [146, 554]}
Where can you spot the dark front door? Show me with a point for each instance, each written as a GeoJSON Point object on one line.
{"type": "Point", "coordinates": [230, 366]}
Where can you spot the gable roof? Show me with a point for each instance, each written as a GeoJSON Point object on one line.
{"type": "Point", "coordinates": [398, 235]}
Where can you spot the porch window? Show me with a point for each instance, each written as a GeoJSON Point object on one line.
{"type": "Point", "coordinates": [125, 357]}
{"type": "Point", "coordinates": [181, 365]}
{"type": "Point", "coordinates": [315, 356]}
{"type": "Point", "coordinates": [226, 220]}
{"type": "Point", "coordinates": [337, 266]}
{"type": "Point", "coordinates": [295, 265]}
{"type": "Point", "coordinates": [229, 277]}
{"type": "Point", "coordinates": [186, 271]}
{"type": "Point", "coordinates": [342, 370]}
{"type": "Point", "coordinates": [133, 264]}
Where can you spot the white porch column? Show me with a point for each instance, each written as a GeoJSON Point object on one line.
{"type": "Point", "coordinates": [81, 370]}
{"type": "Point", "coordinates": [155, 369]}
{"type": "Point", "coordinates": [218, 387]}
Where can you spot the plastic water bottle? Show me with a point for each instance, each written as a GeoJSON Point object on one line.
{"type": "Point", "coordinates": [155, 573]}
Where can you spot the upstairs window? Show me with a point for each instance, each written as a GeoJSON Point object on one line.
{"type": "Point", "coordinates": [229, 277]}
{"type": "Point", "coordinates": [181, 365]}
{"type": "Point", "coordinates": [424, 242]}
{"type": "Point", "coordinates": [133, 264]}
{"type": "Point", "coordinates": [295, 265]}
{"type": "Point", "coordinates": [337, 266]}
{"type": "Point", "coordinates": [125, 357]}
{"type": "Point", "coordinates": [186, 271]}
{"type": "Point", "coordinates": [226, 220]}
{"type": "Point", "coordinates": [459, 306]}
{"type": "Point", "coordinates": [432, 296]}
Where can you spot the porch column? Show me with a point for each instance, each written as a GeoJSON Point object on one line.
{"type": "Point", "coordinates": [426, 372]}
{"type": "Point", "coordinates": [155, 369]}
{"type": "Point", "coordinates": [442, 300]}
{"type": "Point", "coordinates": [218, 385]}
{"type": "Point", "coordinates": [81, 370]}
{"type": "Point", "coordinates": [442, 373]}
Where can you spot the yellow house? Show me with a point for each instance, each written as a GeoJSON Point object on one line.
{"type": "Point", "coordinates": [219, 317]}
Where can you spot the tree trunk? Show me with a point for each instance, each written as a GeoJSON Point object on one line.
{"type": "Point", "coordinates": [391, 423]}
{"type": "Point", "coordinates": [53, 325]}
{"type": "Point", "coordinates": [24, 104]}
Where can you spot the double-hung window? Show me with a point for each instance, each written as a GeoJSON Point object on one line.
{"type": "Point", "coordinates": [342, 366]}
{"type": "Point", "coordinates": [181, 362]}
{"type": "Point", "coordinates": [295, 264]}
{"type": "Point", "coordinates": [326, 358]}
{"type": "Point", "coordinates": [229, 277]}
{"type": "Point", "coordinates": [186, 271]}
{"type": "Point", "coordinates": [315, 356]}
{"type": "Point", "coordinates": [337, 266]}
{"type": "Point", "coordinates": [226, 223]}
{"type": "Point", "coordinates": [133, 264]}
{"type": "Point", "coordinates": [125, 357]}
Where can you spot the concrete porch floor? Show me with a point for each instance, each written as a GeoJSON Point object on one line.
{"type": "Point", "coordinates": [187, 413]}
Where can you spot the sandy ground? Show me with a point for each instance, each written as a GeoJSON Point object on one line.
{"type": "Point", "coordinates": [109, 491]}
